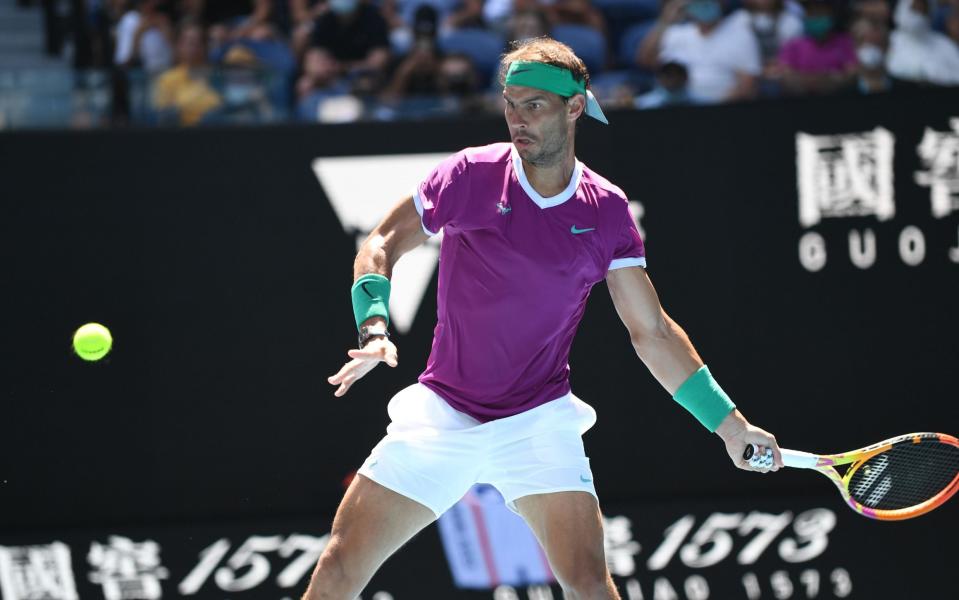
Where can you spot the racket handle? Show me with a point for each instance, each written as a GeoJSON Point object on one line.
{"type": "Point", "coordinates": [791, 458]}
{"type": "Point", "coordinates": [755, 459]}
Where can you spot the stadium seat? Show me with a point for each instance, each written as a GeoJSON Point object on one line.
{"type": "Point", "coordinates": [586, 42]}
{"type": "Point", "coordinates": [630, 42]}
{"type": "Point", "coordinates": [483, 47]}
{"type": "Point", "coordinates": [608, 84]}
{"type": "Point", "coordinates": [628, 10]}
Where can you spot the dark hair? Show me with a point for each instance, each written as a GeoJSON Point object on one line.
{"type": "Point", "coordinates": [545, 50]}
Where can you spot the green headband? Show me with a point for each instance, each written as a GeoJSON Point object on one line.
{"type": "Point", "coordinates": [554, 79]}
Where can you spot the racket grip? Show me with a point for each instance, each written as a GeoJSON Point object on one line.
{"type": "Point", "coordinates": [755, 460]}
{"type": "Point", "coordinates": [791, 458]}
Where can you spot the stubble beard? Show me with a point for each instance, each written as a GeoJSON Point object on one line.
{"type": "Point", "coordinates": [552, 148]}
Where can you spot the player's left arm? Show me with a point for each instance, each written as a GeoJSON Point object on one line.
{"type": "Point", "coordinates": [666, 351]}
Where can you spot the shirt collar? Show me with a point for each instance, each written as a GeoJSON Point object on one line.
{"type": "Point", "coordinates": [540, 201]}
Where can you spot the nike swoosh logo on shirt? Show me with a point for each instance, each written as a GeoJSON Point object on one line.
{"type": "Point", "coordinates": [576, 230]}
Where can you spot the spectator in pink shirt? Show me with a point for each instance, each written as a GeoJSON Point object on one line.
{"type": "Point", "coordinates": [822, 60]}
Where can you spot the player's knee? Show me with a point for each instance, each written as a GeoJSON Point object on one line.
{"type": "Point", "coordinates": [586, 580]}
{"type": "Point", "coordinates": [337, 572]}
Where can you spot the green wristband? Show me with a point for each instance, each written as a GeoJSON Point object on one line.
{"type": "Point", "coordinates": [702, 396]}
{"type": "Point", "coordinates": [371, 298]}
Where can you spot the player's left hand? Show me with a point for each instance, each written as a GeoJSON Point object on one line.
{"type": "Point", "coordinates": [737, 433]}
{"type": "Point", "coordinates": [364, 359]}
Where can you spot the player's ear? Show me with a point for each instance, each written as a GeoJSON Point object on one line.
{"type": "Point", "coordinates": [575, 106]}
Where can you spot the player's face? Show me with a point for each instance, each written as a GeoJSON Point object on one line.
{"type": "Point", "coordinates": [539, 124]}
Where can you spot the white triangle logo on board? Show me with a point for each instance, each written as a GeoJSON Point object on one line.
{"type": "Point", "coordinates": [361, 190]}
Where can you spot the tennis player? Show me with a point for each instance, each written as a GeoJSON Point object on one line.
{"type": "Point", "coordinates": [528, 230]}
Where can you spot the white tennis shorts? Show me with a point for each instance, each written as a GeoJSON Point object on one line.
{"type": "Point", "coordinates": [433, 453]}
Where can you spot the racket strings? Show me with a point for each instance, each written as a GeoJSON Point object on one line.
{"type": "Point", "coordinates": [905, 475]}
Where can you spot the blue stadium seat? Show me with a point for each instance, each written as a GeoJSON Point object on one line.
{"type": "Point", "coordinates": [622, 14]}
{"type": "Point", "coordinates": [586, 42]}
{"type": "Point", "coordinates": [628, 10]}
{"type": "Point", "coordinates": [631, 40]}
{"type": "Point", "coordinates": [482, 46]}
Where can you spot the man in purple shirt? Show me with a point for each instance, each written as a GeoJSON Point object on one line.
{"type": "Point", "coordinates": [823, 59]}
{"type": "Point", "coordinates": [528, 230]}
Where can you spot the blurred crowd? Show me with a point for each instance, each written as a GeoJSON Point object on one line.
{"type": "Point", "coordinates": [208, 61]}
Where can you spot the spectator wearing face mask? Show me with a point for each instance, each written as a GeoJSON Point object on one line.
{"type": "Point", "coordinates": [872, 42]}
{"type": "Point", "coordinates": [317, 84]}
{"type": "Point", "coordinates": [772, 23]}
{"type": "Point", "coordinates": [822, 60]}
{"type": "Point", "coordinates": [416, 74]}
{"type": "Point", "coordinates": [355, 35]}
{"type": "Point", "coordinates": [720, 53]}
{"type": "Point", "coordinates": [670, 89]}
{"type": "Point", "coordinates": [916, 52]}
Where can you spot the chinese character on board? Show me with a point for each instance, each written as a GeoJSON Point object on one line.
{"type": "Point", "coordinates": [42, 572]}
{"type": "Point", "coordinates": [127, 570]}
{"type": "Point", "coordinates": [845, 175]}
{"type": "Point", "coordinates": [621, 548]}
{"type": "Point", "coordinates": [939, 153]}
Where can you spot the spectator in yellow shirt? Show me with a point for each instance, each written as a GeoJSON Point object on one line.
{"type": "Point", "coordinates": [184, 90]}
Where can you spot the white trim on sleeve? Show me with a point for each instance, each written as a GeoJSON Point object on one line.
{"type": "Point", "coordinates": [418, 203]}
{"type": "Point", "coordinates": [622, 263]}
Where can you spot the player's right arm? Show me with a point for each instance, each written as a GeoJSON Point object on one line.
{"type": "Point", "coordinates": [398, 233]}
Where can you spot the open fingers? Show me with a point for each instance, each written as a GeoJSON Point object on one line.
{"type": "Point", "coordinates": [366, 353]}
{"type": "Point", "coordinates": [348, 375]}
{"type": "Point", "coordinates": [344, 371]}
{"type": "Point", "coordinates": [390, 357]}
{"type": "Point", "coordinates": [350, 378]}
{"type": "Point", "coordinates": [385, 352]}
{"type": "Point", "coordinates": [364, 359]}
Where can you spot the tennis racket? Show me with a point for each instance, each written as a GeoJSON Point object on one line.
{"type": "Point", "coordinates": [899, 478]}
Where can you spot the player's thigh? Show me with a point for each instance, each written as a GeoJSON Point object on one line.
{"type": "Point", "coordinates": [569, 526]}
{"type": "Point", "coordinates": [372, 522]}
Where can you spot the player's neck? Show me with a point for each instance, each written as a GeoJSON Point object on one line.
{"type": "Point", "coordinates": [550, 180]}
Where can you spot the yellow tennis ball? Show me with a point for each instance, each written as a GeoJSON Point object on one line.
{"type": "Point", "coordinates": [92, 341]}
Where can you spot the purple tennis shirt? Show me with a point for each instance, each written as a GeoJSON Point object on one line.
{"type": "Point", "coordinates": [515, 271]}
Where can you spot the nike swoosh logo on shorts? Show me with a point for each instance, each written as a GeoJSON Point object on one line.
{"type": "Point", "coordinates": [584, 479]}
{"type": "Point", "coordinates": [576, 230]}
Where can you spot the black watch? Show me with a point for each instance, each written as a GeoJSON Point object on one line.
{"type": "Point", "coordinates": [371, 331]}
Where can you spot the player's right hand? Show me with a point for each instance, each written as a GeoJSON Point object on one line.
{"type": "Point", "coordinates": [364, 359]}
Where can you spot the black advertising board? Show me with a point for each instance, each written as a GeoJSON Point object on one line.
{"type": "Point", "coordinates": [787, 548]}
